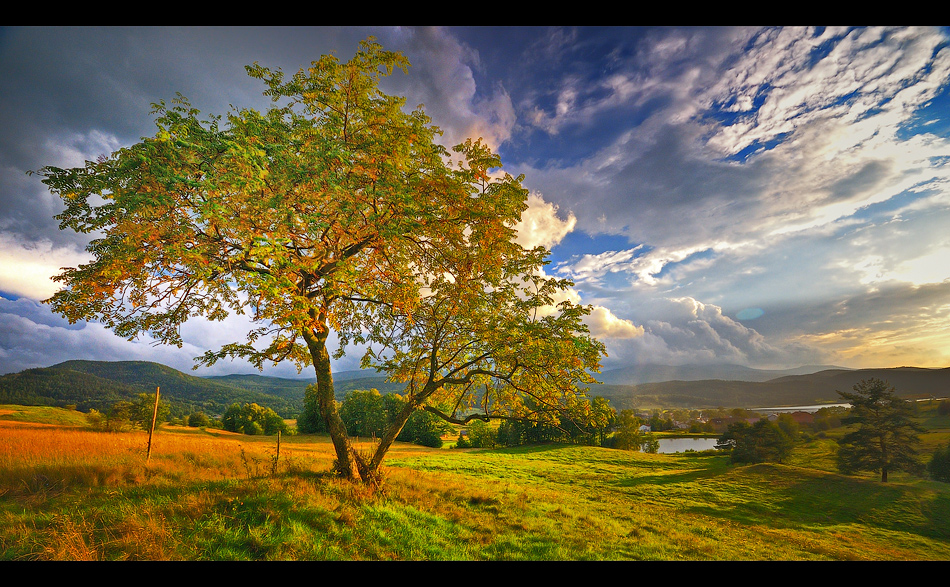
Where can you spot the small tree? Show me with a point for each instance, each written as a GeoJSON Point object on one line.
{"type": "Point", "coordinates": [651, 444]}
{"type": "Point", "coordinates": [939, 465]}
{"type": "Point", "coordinates": [481, 434]}
{"type": "Point", "coordinates": [627, 436]}
{"type": "Point", "coordinates": [252, 419]}
{"type": "Point", "coordinates": [761, 442]}
{"type": "Point", "coordinates": [886, 437]}
{"type": "Point", "coordinates": [198, 420]}
{"type": "Point", "coordinates": [363, 413]}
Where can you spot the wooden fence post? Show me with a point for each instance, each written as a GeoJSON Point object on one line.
{"type": "Point", "coordinates": [148, 455]}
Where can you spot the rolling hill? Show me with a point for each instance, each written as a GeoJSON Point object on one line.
{"type": "Point", "coordinates": [653, 373]}
{"type": "Point", "coordinates": [99, 384]}
{"type": "Point", "coordinates": [789, 390]}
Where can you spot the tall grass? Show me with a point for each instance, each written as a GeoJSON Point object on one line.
{"type": "Point", "coordinates": [210, 495]}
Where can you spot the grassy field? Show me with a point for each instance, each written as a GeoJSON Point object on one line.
{"type": "Point", "coordinates": [69, 493]}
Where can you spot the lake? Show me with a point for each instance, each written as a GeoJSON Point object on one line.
{"type": "Point", "coordinates": [674, 445]}
{"type": "Point", "coordinates": [810, 409]}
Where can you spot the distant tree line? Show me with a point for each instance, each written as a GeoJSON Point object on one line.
{"type": "Point", "coordinates": [252, 419]}
{"type": "Point", "coordinates": [368, 413]}
{"type": "Point", "coordinates": [129, 415]}
{"type": "Point", "coordinates": [760, 442]}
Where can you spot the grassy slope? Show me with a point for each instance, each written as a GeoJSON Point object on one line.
{"type": "Point", "coordinates": [214, 495]}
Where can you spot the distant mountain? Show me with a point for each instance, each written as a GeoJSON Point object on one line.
{"type": "Point", "coordinates": [653, 373]}
{"type": "Point", "coordinates": [100, 384]}
{"type": "Point", "coordinates": [60, 387]}
{"type": "Point", "coordinates": [789, 390]}
{"type": "Point", "coordinates": [343, 382]}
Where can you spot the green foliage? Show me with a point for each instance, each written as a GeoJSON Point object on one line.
{"type": "Point", "coordinates": [658, 423]}
{"type": "Point", "coordinates": [252, 419]}
{"type": "Point", "coordinates": [939, 465]}
{"type": "Point", "coordinates": [309, 421]}
{"type": "Point", "coordinates": [482, 435]}
{"type": "Point", "coordinates": [764, 441]}
{"type": "Point", "coordinates": [627, 434]}
{"type": "Point", "coordinates": [789, 426]}
{"type": "Point", "coordinates": [198, 420]}
{"type": "Point", "coordinates": [424, 428]}
{"type": "Point", "coordinates": [463, 441]}
{"type": "Point", "coordinates": [943, 408]}
{"type": "Point", "coordinates": [364, 413]}
{"type": "Point", "coordinates": [886, 437]}
{"type": "Point", "coordinates": [650, 444]}
{"type": "Point", "coordinates": [368, 413]}
{"type": "Point", "coordinates": [828, 418]}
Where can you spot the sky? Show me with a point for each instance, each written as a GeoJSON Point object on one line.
{"type": "Point", "coordinates": [766, 197]}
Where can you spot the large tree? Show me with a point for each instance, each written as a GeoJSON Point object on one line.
{"type": "Point", "coordinates": [334, 210]}
{"type": "Point", "coordinates": [886, 437]}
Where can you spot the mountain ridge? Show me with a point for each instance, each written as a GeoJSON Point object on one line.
{"type": "Point", "coordinates": [98, 384]}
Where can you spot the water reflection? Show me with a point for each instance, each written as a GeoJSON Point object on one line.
{"type": "Point", "coordinates": [674, 445]}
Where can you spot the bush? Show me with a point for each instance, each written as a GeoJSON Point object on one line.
{"type": "Point", "coordinates": [761, 442]}
{"type": "Point", "coordinates": [198, 420]}
{"type": "Point", "coordinates": [462, 442]}
{"type": "Point", "coordinates": [939, 466]}
{"type": "Point", "coordinates": [627, 435]}
{"type": "Point", "coordinates": [481, 435]}
{"type": "Point", "coordinates": [252, 419]}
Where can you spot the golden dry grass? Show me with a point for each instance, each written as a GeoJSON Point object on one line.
{"type": "Point", "coordinates": [68, 493]}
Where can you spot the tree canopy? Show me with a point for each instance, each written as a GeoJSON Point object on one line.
{"type": "Point", "coordinates": [334, 210]}
{"type": "Point", "coordinates": [885, 438]}
{"type": "Point", "coordinates": [763, 441]}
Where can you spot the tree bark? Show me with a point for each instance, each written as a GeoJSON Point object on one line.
{"type": "Point", "coordinates": [386, 441]}
{"type": "Point", "coordinates": [346, 459]}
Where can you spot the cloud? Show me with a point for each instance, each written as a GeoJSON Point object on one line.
{"type": "Point", "coordinates": [541, 225]}
{"type": "Point", "coordinates": [685, 331]}
{"type": "Point", "coordinates": [603, 324]}
{"type": "Point", "coordinates": [32, 336]}
{"type": "Point", "coordinates": [443, 81]}
{"type": "Point", "coordinates": [895, 323]}
{"type": "Point", "coordinates": [27, 268]}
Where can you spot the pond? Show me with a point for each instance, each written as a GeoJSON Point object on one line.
{"type": "Point", "coordinates": [697, 443]}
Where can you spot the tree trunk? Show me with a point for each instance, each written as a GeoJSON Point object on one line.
{"type": "Point", "coordinates": [883, 474]}
{"type": "Point", "coordinates": [346, 457]}
{"type": "Point", "coordinates": [389, 437]}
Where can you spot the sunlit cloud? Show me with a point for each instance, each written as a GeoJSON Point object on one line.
{"type": "Point", "coordinates": [603, 324]}
{"type": "Point", "coordinates": [27, 268]}
{"type": "Point", "coordinates": [541, 225]}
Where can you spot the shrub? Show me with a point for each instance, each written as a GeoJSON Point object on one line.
{"type": "Point", "coordinates": [198, 420]}
{"type": "Point", "coordinates": [939, 466]}
{"type": "Point", "coordinates": [481, 435]}
{"type": "Point", "coordinates": [252, 419]}
{"type": "Point", "coordinates": [462, 442]}
{"type": "Point", "coordinates": [757, 443]}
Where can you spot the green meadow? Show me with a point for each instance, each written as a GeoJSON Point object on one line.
{"type": "Point", "coordinates": [70, 493]}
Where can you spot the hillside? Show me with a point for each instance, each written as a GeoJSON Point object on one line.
{"type": "Point", "coordinates": [654, 373]}
{"type": "Point", "coordinates": [820, 387]}
{"type": "Point", "coordinates": [99, 384]}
